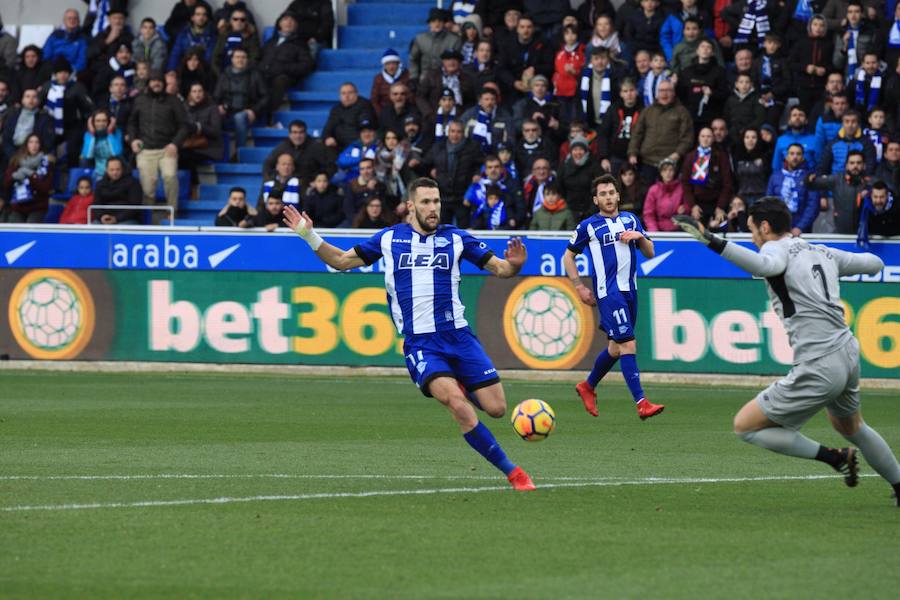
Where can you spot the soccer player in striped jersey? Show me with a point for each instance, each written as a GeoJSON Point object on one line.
{"type": "Point", "coordinates": [421, 275]}
{"type": "Point", "coordinates": [610, 238]}
{"type": "Point", "coordinates": [804, 287]}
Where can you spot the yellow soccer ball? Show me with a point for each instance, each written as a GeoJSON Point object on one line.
{"type": "Point", "coordinates": [533, 420]}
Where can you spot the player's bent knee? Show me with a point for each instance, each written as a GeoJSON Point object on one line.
{"type": "Point", "coordinates": [846, 426]}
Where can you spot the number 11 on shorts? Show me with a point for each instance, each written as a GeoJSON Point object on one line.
{"type": "Point", "coordinates": [620, 316]}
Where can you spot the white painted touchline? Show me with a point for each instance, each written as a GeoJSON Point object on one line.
{"type": "Point", "coordinates": [270, 476]}
{"type": "Point", "coordinates": [425, 492]}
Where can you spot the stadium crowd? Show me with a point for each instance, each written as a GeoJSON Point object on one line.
{"type": "Point", "coordinates": [513, 106]}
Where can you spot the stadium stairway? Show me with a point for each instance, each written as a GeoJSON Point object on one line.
{"type": "Point", "coordinates": [372, 27]}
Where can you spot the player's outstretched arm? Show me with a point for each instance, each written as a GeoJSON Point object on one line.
{"type": "Point", "coordinates": [766, 263]}
{"type": "Point", "coordinates": [332, 256]}
{"type": "Point", "coordinates": [864, 263]}
{"type": "Point", "coordinates": [514, 257]}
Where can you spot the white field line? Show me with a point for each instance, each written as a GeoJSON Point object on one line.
{"type": "Point", "coordinates": [269, 476]}
{"type": "Point", "coordinates": [422, 492]}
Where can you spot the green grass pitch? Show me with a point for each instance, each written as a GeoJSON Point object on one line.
{"type": "Point", "coordinates": [223, 486]}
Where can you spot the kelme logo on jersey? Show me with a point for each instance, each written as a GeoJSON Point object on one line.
{"type": "Point", "coordinates": [51, 314]}
{"type": "Point", "coordinates": [545, 324]}
{"type": "Point", "coordinates": [427, 261]}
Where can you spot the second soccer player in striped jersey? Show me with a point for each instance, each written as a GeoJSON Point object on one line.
{"type": "Point", "coordinates": [611, 238]}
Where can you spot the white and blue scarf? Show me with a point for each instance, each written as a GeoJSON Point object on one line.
{"type": "Point", "coordinates": [893, 40]}
{"type": "Point", "coordinates": [55, 99]}
{"type": "Point", "coordinates": [22, 191]}
{"type": "Point", "coordinates": [441, 121]}
{"type": "Point", "coordinates": [791, 186]}
{"type": "Point", "coordinates": [852, 59]}
{"type": "Point", "coordinates": [803, 12]}
{"type": "Point", "coordinates": [497, 217]}
{"type": "Point", "coordinates": [651, 85]}
{"type": "Point", "coordinates": [877, 140]}
{"type": "Point", "coordinates": [100, 8]}
{"type": "Point", "coordinates": [462, 9]}
{"type": "Point", "coordinates": [584, 90]}
{"type": "Point", "coordinates": [233, 40]}
{"type": "Point", "coordinates": [468, 52]}
{"type": "Point", "coordinates": [700, 168]}
{"type": "Point", "coordinates": [866, 212]}
{"type": "Point", "coordinates": [755, 15]}
{"type": "Point", "coordinates": [483, 130]}
{"type": "Point", "coordinates": [291, 193]}
{"type": "Point", "coordinates": [874, 89]}
{"type": "Point", "coordinates": [452, 82]}
{"type": "Point", "coordinates": [124, 70]}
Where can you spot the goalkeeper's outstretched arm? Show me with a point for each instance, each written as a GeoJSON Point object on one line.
{"type": "Point", "coordinates": [334, 257]}
{"type": "Point", "coordinates": [762, 264]}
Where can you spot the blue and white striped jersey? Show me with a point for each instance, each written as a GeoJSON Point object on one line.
{"type": "Point", "coordinates": [421, 274]}
{"type": "Point", "coordinates": [614, 262]}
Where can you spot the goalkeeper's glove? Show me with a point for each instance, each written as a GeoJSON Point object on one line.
{"type": "Point", "coordinates": [692, 227]}
{"type": "Point", "coordinates": [308, 234]}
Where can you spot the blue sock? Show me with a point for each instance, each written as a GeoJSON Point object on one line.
{"type": "Point", "coordinates": [602, 365]}
{"type": "Point", "coordinates": [632, 376]}
{"type": "Point", "coordinates": [483, 441]}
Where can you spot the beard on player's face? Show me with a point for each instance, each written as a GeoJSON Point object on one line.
{"type": "Point", "coordinates": [427, 218]}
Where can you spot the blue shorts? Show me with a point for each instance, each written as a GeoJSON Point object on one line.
{"type": "Point", "coordinates": [457, 354]}
{"type": "Point", "coordinates": [618, 315]}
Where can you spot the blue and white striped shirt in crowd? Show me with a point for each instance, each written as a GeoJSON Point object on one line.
{"type": "Point", "coordinates": [614, 262]}
{"type": "Point", "coordinates": [421, 274]}
{"type": "Point", "coordinates": [291, 193]}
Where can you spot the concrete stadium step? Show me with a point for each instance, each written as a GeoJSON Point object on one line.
{"type": "Point", "coordinates": [266, 137]}
{"type": "Point", "coordinates": [389, 13]}
{"type": "Point", "coordinates": [314, 119]}
{"type": "Point", "coordinates": [357, 58]}
{"type": "Point", "coordinates": [331, 81]}
{"type": "Point", "coordinates": [377, 36]}
{"type": "Point", "coordinates": [254, 156]}
{"type": "Point", "coordinates": [302, 100]}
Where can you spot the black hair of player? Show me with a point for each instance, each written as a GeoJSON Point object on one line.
{"type": "Point", "coordinates": [421, 182]}
{"type": "Point", "coordinates": [772, 210]}
{"type": "Point", "coordinates": [604, 179]}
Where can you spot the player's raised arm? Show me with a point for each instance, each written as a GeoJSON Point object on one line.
{"type": "Point", "coordinates": [644, 244]}
{"type": "Point", "coordinates": [511, 263]}
{"type": "Point", "coordinates": [332, 256]}
{"type": "Point", "coordinates": [864, 263]}
{"type": "Point", "coordinates": [761, 264]}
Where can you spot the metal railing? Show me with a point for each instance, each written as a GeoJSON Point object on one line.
{"type": "Point", "coordinates": [168, 209]}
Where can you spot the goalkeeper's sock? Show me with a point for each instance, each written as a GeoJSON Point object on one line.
{"type": "Point", "coordinates": [632, 376]}
{"type": "Point", "coordinates": [790, 443]}
{"type": "Point", "coordinates": [602, 365]}
{"type": "Point", "coordinates": [484, 442]}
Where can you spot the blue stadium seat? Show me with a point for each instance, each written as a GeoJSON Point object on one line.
{"type": "Point", "coordinates": [355, 58]}
{"type": "Point", "coordinates": [253, 155]}
{"type": "Point", "coordinates": [389, 13]}
{"type": "Point", "coordinates": [331, 81]}
{"type": "Point", "coordinates": [235, 173]}
{"type": "Point", "coordinates": [305, 100]}
{"type": "Point", "coordinates": [74, 175]}
{"type": "Point", "coordinates": [377, 36]}
{"type": "Point", "coordinates": [54, 211]}
{"type": "Point", "coordinates": [266, 137]}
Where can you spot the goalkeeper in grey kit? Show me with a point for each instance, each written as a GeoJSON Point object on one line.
{"type": "Point", "coordinates": [802, 282]}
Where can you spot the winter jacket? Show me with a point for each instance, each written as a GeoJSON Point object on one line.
{"type": "Point", "coordinates": [685, 53]}
{"type": "Point", "coordinates": [616, 130]}
{"type": "Point", "coordinates": [717, 191]}
{"type": "Point", "coordinates": [315, 19]}
{"type": "Point", "coordinates": [43, 126]}
{"type": "Point", "coordinates": [125, 191]}
{"type": "Point", "coordinates": [810, 51]}
{"type": "Point", "coordinates": [660, 131]}
{"type": "Point", "coordinates": [8, 46]}
{"type": "Point", "coordinates": [492, 11]}
{"type": "Point", "coordinates": [189, 38]}
{"type": "Point", "coordinates": [661, 204]}
{"type": "Point", "coordinates": [71, 45]}
{"type": "Point", "coordinates": [845, 194]}
{"type": "Point", "coordinates": [99, 52]}
{"type": "Point", "coordinates": [238, 91]}
{"type": "Point", "coordinates": [454, 182]}
{"type": "Point", "coordinates": [642, 32]}
{"type": "Point", "coordinates": [425, 52]}
{"type": "Point", "coordinates": [103, 76]}
{"type": "Point", "coordinates": [431, 86]}
{"type": "Point", "coordinates": [565, 85]}
{"type": "Point", "coordinates": [40, 186]}
{"type": "Point", "coordinates": [77, 104]}
{"type": "Point", "coordinates": [751, 173]}
{"type": "Point", "coordinates": [32, 79]}
{"type": "Point", "coordinates": [76, 210]}
{"type": "Point", "coordinates": [343, 121]}
{"type": "Point", "coordinates": [804, 204]}
{"type": "Point", "coordinates": [309, 159]}
{"type": "Point", "coordinates": [326, 209]}
{"type": "Point", "coordinates": [221, 56]}
{"type": "Point", "coordinates": [835, 155]}
{"type": "Point", "coordinates": [158, 121]}
{"type": "Point", "coordinates": [291, 58]}
{"type": "Point", "coordinates": [890, 174]}
{"type": "Point", "coordinates": [152, 51]}
{"type": "Point", "coordinates": [780, 84]}
{"type": "Point", "coordinates": [575, 183]}
{"type": "Point", "coordinates": [742, 113]}
{"type": "Point", "coordinates": [524, 154]}
{"type": "Point", "coordinates": [690, 91]}
{"type": "Point", "coordinates": [514, 57]}
{"type": "Point", "coordinates": [502, 130]}
{"type": "Point", "coordinates": [101, 148]}
{"type": "Point", "coordinates": [205, 119]}
{"type": "Point", "coordinates": [672, 31]}
{"type": "Point", "coordinates": [544, 220]}
{"type": "Point", "coordinates": [789, 137]}
{"type": "Point", "coordinates": [868, 40]}
{"type": "Point", "coordinates": [380, 95]}
{"type": "Point", "coordinates": [180, 17]}
{"type": "Point", "coordinates": [546, 13]}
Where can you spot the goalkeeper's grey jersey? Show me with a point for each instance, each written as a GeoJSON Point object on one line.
{"type": "Point", "coordinates": [807, 296]}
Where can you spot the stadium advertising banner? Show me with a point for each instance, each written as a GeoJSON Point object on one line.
{"type": "Point", "coordinates": [684, 324]}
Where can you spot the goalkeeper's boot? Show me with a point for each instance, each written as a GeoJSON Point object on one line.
{"type": "Point", "coordinates": [849, 466]}
{"type": "Point", "coordinates": [588, 397]}
{"type": "Point", "coordinates": [520, 480]}
{"type": "Point", "coordinates": [647, 409]}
